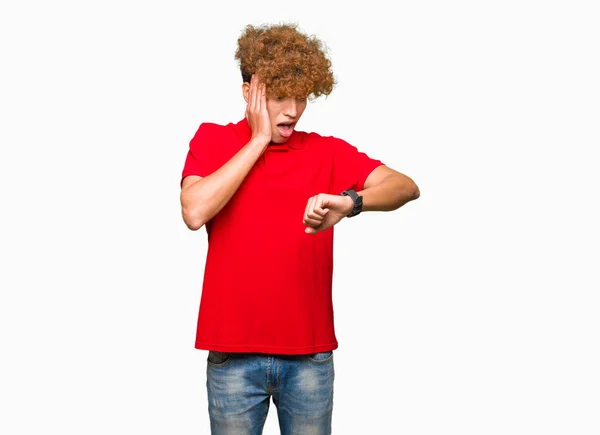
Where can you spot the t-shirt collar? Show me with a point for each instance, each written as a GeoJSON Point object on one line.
{"type": "Point", "coordinates": [295, 141]}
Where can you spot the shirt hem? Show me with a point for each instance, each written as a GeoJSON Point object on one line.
{"type": "Point", "coordinates": [267, 349]}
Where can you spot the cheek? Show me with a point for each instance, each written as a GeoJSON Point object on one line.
{"type": "Point", "coordinates": [271, 112]}
{"type": "Point", "coordinates": [273, 119]}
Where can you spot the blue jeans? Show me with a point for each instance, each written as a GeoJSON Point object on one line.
{"type": "Point", "coordinates": [240, 386]}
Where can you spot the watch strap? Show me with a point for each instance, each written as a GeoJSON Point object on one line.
{"type": "Point", "coordinates": [356, 198]}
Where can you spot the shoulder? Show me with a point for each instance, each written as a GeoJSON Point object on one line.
{"type": "Point", "coordinates": [209, 131]}
{"type": "Point", "coordinates": [205, 130]}
{"type": "Point", "coordinates": [323, 141]}
{"type": "Point", "coordinates": [211, 128]}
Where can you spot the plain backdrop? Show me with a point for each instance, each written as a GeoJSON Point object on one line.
{"type": "Point", "coordinates": [473, 310]}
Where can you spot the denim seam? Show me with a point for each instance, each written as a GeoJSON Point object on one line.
{"type": "Point", "coordinates": [221, 364]}
{"type": "Point", "coordinates": [320, 361]}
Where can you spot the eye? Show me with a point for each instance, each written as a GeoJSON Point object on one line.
{"type": "Point", "coordinates": [279, 98]}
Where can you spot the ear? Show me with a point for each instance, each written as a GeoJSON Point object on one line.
{"type": "Point", "coordinates": [246, 91]}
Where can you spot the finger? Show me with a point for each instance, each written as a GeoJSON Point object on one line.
{"type": "Point", "coordinates": [249, 102]}
{"type": "Point", "coordinates": [317, 213]}
{"type": "Point", "coordinates": [313, 218]}
{"type": "Point", "coordinates": [322, 203]}
{"type": "Point", "coordinates": [258, 97]}
{"type": "Point", "coordinates": [257, 92]}
{"type": "Point", "coordinates": [313, 222]}
{"type": "Point", "coordinates": [308, 208]}
{"type": "Point", "coordinates": [263, 98]}
{"type": "Point", "coordinates": [306, 211]}
{"type": "Point", "coordinates": [250, 95]}
{"type": "Point", "coordinates": [252, 98]}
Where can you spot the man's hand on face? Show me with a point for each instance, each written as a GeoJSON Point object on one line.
{"type": "Point", "coordinates": [256, 111]}
{"type": "Point", "coordinates": [324, 211]}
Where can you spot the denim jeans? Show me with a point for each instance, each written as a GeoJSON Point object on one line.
{"type": "Point", "coordinates": [240, 386]}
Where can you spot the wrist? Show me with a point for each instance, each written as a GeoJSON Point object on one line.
{"type": "Point", "coordinates": [349, 205]}
{"type": "Point", "coordinates": [260, 142]}
{"type": "Point", "coordinates": [356, 202]}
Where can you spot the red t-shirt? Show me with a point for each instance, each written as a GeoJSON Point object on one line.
{"type": "Point", "coordinates": [267, 284]}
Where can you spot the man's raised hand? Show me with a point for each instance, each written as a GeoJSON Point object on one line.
{"type": "Point", "coordinates": [256, 111]}
{"type": "Point", "coordinates": [324, 211]}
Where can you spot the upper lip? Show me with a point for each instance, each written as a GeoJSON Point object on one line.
{"type": "Point", "coordinates": [287, 122]}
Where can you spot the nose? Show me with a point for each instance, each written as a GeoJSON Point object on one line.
{"type": "Point", "coordinates": [290, 108]}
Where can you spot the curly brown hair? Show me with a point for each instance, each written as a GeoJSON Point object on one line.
{"type": "Point", "coordinates": [289, 62]}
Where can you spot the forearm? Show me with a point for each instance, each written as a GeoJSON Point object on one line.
{"type": "Point", "coordinates": [393, 192]}
{"type": "Point", "coordinates": [202, 200]}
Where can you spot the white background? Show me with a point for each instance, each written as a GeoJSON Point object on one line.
{"type": "Point", "coordinates": [473, 310]}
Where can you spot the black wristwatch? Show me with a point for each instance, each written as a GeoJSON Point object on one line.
{"type": "Point", "coordinates": [357, 201]}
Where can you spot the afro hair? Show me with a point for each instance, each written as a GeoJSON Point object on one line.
{"type": "Point", "coordinates": [290, 63]}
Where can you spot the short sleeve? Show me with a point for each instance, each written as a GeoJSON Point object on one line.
{"type": "Point", "coordinates": [351, 167]}
{"type": "Point", "coordinates": [200, 157]}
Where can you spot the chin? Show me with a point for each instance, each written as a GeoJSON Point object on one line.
{"type": "Point", "coordinates": [278, 140]}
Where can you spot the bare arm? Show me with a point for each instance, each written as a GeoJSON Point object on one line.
{"type": "Point", "coordinates": [203, 197]}
{"type": "Point", "coordinates": [386, 189]}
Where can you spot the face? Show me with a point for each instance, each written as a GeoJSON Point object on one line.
{"type": "Point", "coordinates": [284, 114]}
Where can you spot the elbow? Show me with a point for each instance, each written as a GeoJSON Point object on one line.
{"type": "Point", "coordinates": [192, 218]}
{"type": "Point", "coordinates": [192, 214]}
{"type": "Point", "coordinates": [192, 211]}
{"type": "Point", "coordinates": [410, 190]}
{"type": "Point", "coordinates": [191, 222]}
{"type": "Point", "coordinates": [416, 192]}
{"type": "Point", "coordinates": [407, 193]}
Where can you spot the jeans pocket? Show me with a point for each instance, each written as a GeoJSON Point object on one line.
{"type": "Point", "coordinates": [320, 357]}
{"type": "Point", "coordinates": [216, 358]}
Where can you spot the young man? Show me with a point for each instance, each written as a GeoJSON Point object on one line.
{"type": "Point", "coordinates": [269, 196]}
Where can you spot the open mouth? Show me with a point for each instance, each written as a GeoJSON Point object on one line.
{"type": "Point", "coordinates": [286, 128]}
